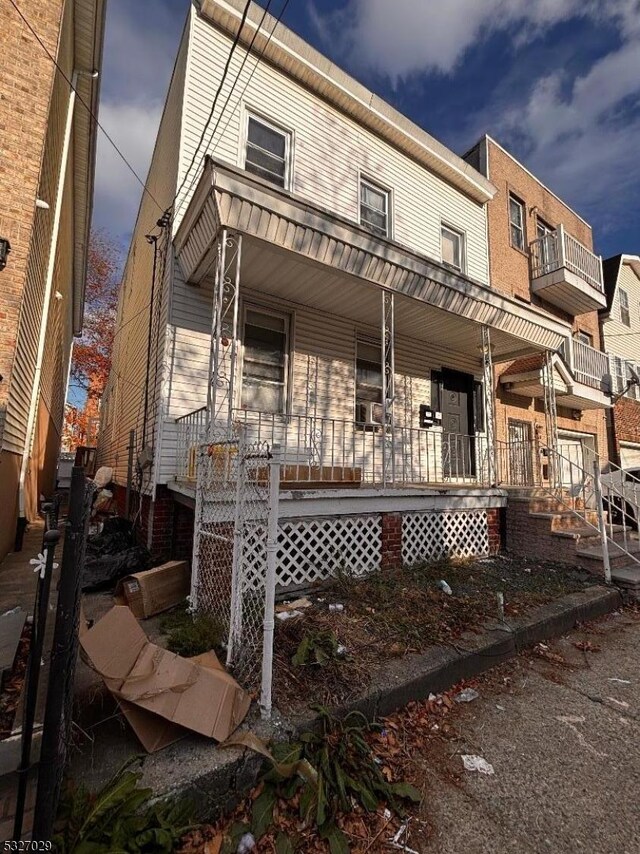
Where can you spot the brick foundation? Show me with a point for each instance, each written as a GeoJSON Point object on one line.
{"type": "Point", "coordinates": [495, 521]}
{"type": "Point", "coordinates": [391, 553]}
{"type": "Point", "coordinates": [164, 526]}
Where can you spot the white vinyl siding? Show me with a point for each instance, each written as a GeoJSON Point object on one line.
{"type": "Point", "coordinates": [619, 339]}
{"type": "Point", "coordinates": [331, 150]}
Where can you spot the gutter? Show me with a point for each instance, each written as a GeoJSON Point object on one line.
{"type": "Point", "coordinates": [35, 388]}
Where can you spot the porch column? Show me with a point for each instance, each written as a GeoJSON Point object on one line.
{"type": "Point", "coordinates": [224, 333]}
{"type": "Point", "coordinates": [388, 391]}
{"type": "Point", "coordinates": [489, 404]}
{"type": "Point", "coordinates": [550, 416]}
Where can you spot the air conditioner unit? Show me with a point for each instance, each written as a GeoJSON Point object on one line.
{"type": "Point", "coordinates": [369, 412]}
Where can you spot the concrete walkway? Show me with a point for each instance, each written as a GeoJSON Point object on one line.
{"type": "Point", "coordinates": [564, 740]}
{"type": "Point", "coordinates": [17, 578]}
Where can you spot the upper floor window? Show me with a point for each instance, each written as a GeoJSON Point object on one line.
{"type": "Point", "coordinates": [452, 247]}
{"type": "Point", "coordinates": [265, 360]}
{"type": "Point", "coordinates": [516, 222]}
{"type": "Point", "coordinates": [542, 228]}
{"type": "Point", "coordinates": [624, 308]}
{"type": "Point", "coordinates": [374, 208]}
{"type": "Point", "coordinates": [268, 151]}
{"type": "Point", "coordinates": [584, 337]}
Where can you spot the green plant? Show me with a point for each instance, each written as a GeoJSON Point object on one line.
{"type": "Point", "coordinates": [189, 634]}
{"type": "Point", "coordinates": [316, 648]}
{"type": "Point", "coordinates": [118, 819]}
{"type": "Point", "coordinates": [345, 773]}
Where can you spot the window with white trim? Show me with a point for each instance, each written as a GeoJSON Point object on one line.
{"type": "Point", "coordinates": [374, 208]}
{"type": "Point", "coordinates": [268, 151]}
{"type": "Point", "coordinates": [625, 317]}
{"type": "Point", "coordinates": [516, 222]}
{"type": "Point", "coordinates": [368, 382]}
{"type": "Point", "coordinates": [265, 360]}
{"type": "Point", "coordinates": [619, 375]}
{"type": "Point", "coordinates": [452, 244]}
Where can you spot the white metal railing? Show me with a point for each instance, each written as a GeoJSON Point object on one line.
{"type": "Point", "coordinates": [559, 249]}
{"type": "Point", "coordinates": [191, 430]}
{"type": "Point", "coordinates": [324, 451]}
{"type": "Point", "coordinates": [589, 366]}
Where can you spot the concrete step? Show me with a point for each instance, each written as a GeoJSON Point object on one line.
{"type": "Point", "coordinates": [549, 504]}
{"type": "Point", "coordinates": [587, 531]}
{"type": "Point", "coordinates": [618, 557]}
{"type": "Point", "coordinates": [627, 578]}
{"type": "Point", "coordinates": [568, 519]}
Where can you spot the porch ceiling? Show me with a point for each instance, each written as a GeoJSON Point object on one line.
{"type": "Point", "coordinates": [318, 255]}
{"type": "Point", "coordinates": [274, 272]}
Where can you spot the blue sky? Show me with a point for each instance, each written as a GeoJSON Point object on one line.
{"type": "Point", "coordinates": [556, 81]}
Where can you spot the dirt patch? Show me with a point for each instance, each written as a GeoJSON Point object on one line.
{"type": "Point", "coordinates": [395, 612]}
{"type": "Point", "coordinates": [13, 683]}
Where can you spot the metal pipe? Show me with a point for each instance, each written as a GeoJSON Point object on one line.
{"type": "Point", "coordinates": [270, 589]}
{"type": "Point", "coordinates": [601, 522]}
{"type": "Point", "coordinates": [46, 302]}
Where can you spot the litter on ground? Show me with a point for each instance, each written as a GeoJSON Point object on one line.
{"type": "Point", "coordinates": [477, 763]}
{"type": "Point", "coordinates": [467, 695]}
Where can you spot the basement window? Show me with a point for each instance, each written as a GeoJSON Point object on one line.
{"type": "Point", "coordinates": [267, 152]}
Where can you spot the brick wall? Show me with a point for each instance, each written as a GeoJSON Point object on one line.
{"type": "Point", "coordinates": [391, 552]}
{"type": "Point", "coordinates": [164, 526]}
{"type": "Point", "coordinates": [626, 423]}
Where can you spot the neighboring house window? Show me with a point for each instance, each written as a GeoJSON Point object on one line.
{"type": "Point", "coordinates": [542, 229]}
{"type": "Point", "coordinates": [619, 373]}
{"type": "Point", "coordinates": [585, 337]}
{"type": "Point", "coordinates": [368, 383]}
{"type": "Point", "coordinates": [624, 308]}
{"type": "Point", "coordinates": [267, 153]}
{"type": "Point", "coordinates": [452, 248]}
{"type": "Point", "coordinates": [374, 208]}
{"type": "Point", "coordinates": [265, 361]}
{"type": "Point", "coordinates": [516, 222]}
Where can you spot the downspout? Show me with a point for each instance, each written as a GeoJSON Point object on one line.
{"type": "Point", "coordinates": [35, 389]}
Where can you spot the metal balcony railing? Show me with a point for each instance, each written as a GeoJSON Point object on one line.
{"type": "Point", "coordinates": [559, 249]}
{"type": "Point", "coordinates": [589, 366]}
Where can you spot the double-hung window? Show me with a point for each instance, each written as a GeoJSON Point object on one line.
{"type": "Point", "coordinates": [368, 382]}
{"type": "Point", "coordinates": [268, 151]}
{"type": "Point", "coordinates": [452, 247]}
{"type": "Point", "coordinates": [374, 208]}
{"type": "Point", "coordinates": [265, 361]}
{"type": "Point", "coordinates": [516, 222]}
{"type": "Point", "coordinates": [625, 317]}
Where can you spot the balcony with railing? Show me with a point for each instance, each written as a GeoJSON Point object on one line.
{"type": "Point", "coordinates": [566, 274]}
{"type": "Point", "coordinates": [317, 453]}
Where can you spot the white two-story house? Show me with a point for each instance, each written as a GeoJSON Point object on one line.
{"type": "Point", "coordinates": [346, 251]}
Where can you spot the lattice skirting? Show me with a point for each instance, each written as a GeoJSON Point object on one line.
{"type": "Point", "coordinates": [313, 549]}
{"type": "Point", "coordinates": [430, 535]}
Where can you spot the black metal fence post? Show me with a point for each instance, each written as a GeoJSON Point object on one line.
{"type": "Point", "coordinates": [51, 539]}
{"type": "Point", "coordinates": [59, 705]}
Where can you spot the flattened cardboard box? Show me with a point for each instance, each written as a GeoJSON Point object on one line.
{"type": "Point", "coordinates": [154, 590]}
{"type": "Point", "coordinates": [154, 686]}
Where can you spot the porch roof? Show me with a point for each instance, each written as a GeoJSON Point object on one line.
{"type": "Point", "coordinates": [227, 197]}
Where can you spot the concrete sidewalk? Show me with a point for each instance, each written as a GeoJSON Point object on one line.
{"type": "Point", "coordinates": [17, 578]}
{"type": "Point", "coordinates": [564, 740]}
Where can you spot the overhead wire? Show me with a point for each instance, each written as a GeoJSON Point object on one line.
{"type": "Point", "coordinates": [85, 105]}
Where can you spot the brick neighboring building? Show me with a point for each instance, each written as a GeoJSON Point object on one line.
{"type": "Point", "coordinates": [620, 323]}
{"type": "Point", "coordinates": [522, 214]}
{"type": "Point", "coordinates": [47, 152]}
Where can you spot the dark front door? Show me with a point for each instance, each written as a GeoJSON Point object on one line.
{"type": "Point", "coordinates": [520, 453]}
{"type": "Point", "coordinates": [457, 425]}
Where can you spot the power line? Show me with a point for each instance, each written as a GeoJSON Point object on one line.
{"type": "Point", "coordinates": [197, 172]}
{"type": "Point", "coordinates": [215, 99]}
{"type": "Point", "coordinates": [86, 106]}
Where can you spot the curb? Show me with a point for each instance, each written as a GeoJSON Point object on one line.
{"type": "Point", "coordinates": [399, 682]}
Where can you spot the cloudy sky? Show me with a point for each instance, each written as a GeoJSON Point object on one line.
{"type": "Point", "coordinates": [556, 81]}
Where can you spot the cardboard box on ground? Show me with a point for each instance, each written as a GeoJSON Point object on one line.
{"type": "Point", "coordinates": [161, 694]}
{"type": "Point", "coordinates": [155, 590]}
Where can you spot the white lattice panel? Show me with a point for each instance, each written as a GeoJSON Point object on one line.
{"type": "Point", "coordinates": [427, 536]}
{"type": "Point", "coordinates": [312, 549]}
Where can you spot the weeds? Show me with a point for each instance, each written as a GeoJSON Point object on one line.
{"type": "Point", "coordinates": [189, 635]}
{"type": "Point", "coordinates": [119, 818]}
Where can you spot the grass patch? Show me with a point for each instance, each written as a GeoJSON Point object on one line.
{"type": "Point", "coordinates": [188, 634]}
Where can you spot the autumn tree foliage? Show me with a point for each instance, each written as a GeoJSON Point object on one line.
{"type": "Point", "coordinates": [91, 361]}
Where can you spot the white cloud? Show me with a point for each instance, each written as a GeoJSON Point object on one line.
{"type": "Point", "coordinates": [141, 43]}
{"type": "Point", "coordinates": [134, 127]}
{"type": "Point", "coordinates": [411, 36]}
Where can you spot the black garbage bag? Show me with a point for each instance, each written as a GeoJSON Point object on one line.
{"type": "Point", "coordinates": [112, 554]}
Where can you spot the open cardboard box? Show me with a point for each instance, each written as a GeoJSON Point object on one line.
{"type": "Point", "coordinates": [161, 694]}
